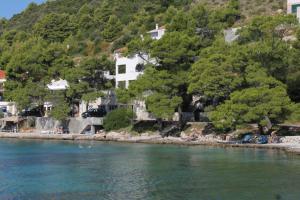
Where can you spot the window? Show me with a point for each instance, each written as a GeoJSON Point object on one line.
{"type": "Point", "coordinates": [154, 34]}
{"type": "Point", "coordinates": [122, 84]}
{"type": "Point", "coordinates": [122, 69]}
{"type": "Point", "coordinates": [139, 67]}
{"type": "Point", "coordinates": [295, 7]}
{"type": "Point", "coordinates": [131, 81]}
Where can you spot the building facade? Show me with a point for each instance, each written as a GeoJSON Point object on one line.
{"type": "Point", "coordinates": [108, 102]}
{"type": "Point", "coordinates": [7, 107]}
{"type": "Point", "coordinates": [293, 7]}
{"type": "Point", "coordinates": [55, 85]}
{"type": "Point", "coordinates": [157, 33]}
{"type": "Point", "coordinates": [129, 68]}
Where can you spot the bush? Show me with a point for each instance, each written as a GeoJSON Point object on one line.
{"type": "Point", "coordinates": [295, 114]}
{"type": "Point", "coordinates": [1, 114]}
{"type": "Point", "coordinates": [117, 119]}
{"type": "Point", "coordinates": [61, 111]}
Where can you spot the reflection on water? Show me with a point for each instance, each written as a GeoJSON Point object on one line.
{"type": "Point", "coordinates": [92, 170]}
{"type": "Point", "coordinates": [85, 144]}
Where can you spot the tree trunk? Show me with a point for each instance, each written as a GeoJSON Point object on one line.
{"type": "Point", "coordinates": [160, 124]}
{"type": "Point", "coordinates": [260, 129]}
{"type": "Point", "coordinates": [269, 124]}
{"type": "Point", "coordinates": [181, 122]}
{"type": "Point", "coordinates": [87, 106]}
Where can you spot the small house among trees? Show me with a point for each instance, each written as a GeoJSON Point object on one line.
{"type": "Point", "coordinates": [293, 7]}
{"type": "Point", "coordinates": [128, 68]}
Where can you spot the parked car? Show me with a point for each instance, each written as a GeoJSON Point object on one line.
{"type": "Point", "coordinates": [9, 129]}
{"type": "Point", "coordinates": [7, 114]}
{"type": "Point", "coordinates": [34, 112]}
{"type": "Point", "coordinates": [255, 139]}
{"type": "Point", "coordinates": [262, 139]}
{"type": "Point", "coordinates": [4, 109]}
{"type": "Point", "coordinates": [249, 138]}
{"type": "Point", "coordinates": [94, 113]}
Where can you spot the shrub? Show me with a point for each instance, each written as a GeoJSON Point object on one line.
{"type": "Point", "coordinates": [295, 114]}
{"type": "Point", "coordinates": [1, 114]}
{"type": "Point", "coordinates": [61, 111]}
{"type": "Point", "coordinates": [117, 119]}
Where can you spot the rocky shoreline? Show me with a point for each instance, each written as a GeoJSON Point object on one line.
{"type": "Point", "coordinates": [288, 144]}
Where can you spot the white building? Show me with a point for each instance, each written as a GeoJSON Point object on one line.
{"type": "Point", "coordinates": [157, 33]}
{"type": "Point", "coordinates": [6, 106]}
{"type": "Point", "coordinates": [107, 102]}
{"type": "Point", "coordinates": [55, 85]}
{"type": "Point", "coordinates": [129, 68]}
{"type": "Point", "coordinates": [293, 7]}
{"type": "Point", "coordinates": [58, 85]}
{"type": "Point", "coordinates": [108, 76]}
{"type": "Point", "coordinates": [231, 35]}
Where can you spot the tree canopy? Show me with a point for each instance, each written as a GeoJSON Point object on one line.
{"type": "Point", "coordinates": [245, 81]}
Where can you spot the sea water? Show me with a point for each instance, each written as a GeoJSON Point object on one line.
{"type": "Point", "coordinates": [42, 170]}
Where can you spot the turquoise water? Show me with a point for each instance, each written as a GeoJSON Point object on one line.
{"type": "Point", "coordinates": [42, 170]}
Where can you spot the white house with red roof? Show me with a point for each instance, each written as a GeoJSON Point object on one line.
{"type": "Point", "coordinates": [2, 81]}
{"type": "Point", "coordinates": [7, 107]}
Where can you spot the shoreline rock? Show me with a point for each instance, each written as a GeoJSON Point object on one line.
{"type": "Point", "coordinates": [289, 144]}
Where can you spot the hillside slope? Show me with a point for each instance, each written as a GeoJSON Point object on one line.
{"type": "Point", "coordinates": [252, 7]}
{"type": "Point", "coordinates": [121, 8]}
{"type": "Point", "coordinates": [74, 40]}
{"type": "Point", "coordinates": [33, 13]}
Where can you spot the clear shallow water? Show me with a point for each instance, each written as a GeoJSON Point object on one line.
{"type": "Point", "coordinates": [45, 170]}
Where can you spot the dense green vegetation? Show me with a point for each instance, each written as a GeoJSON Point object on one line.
{"type": "Point", "coordinates": [72, 40]}
{"type": "Point", "coordinates": [117, 119]}
{"type": "Point", "coordinates": [247, 81]}
{"type": "Point", "coordinates": [255, 79]}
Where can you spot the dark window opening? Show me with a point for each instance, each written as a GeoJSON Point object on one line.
{"type": "Point", "coordinates": [154, 34]}
{"type": "Point", "coordinates": [139, 67]}
{"type": "Point", "coordinates": [122, 84]}
{"type": "Point", "coordinates": [122, 69]}
{"type": "Point", "coordinates": [295, 7]}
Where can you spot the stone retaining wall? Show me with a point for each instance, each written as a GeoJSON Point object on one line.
{"type": "Point", "coordinates": [290, 139]}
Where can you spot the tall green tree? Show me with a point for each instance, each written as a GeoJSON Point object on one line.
{"type": "Point", "coordinates": [3, 23]}
{"type": "Point", "coordinates": [34, 65]}
{"type": "Point", "coordinates": [175, 51]}
{"type": "Point", "coordinates": [252, 105]}
{"type": "Point", "coordinates": [182, 22]}
{"type": "Point", "coordinates": [112, 28]}
{"type": "Point", "coordinates": [160, 89]}
{"type": "Point", "coordinates": [214, 77]}
{"type": "Point", "coordinates": [55, 27]}
{"type": "Point", "coordinates": [102, 14]}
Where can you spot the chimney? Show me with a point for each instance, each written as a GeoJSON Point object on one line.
{"type": "Point", "coordinates": [156, 26]}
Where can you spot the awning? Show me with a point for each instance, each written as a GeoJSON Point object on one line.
{"type": "Point", "coordinates": [58, 85]}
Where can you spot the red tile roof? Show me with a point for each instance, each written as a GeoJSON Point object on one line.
{"type": "Point", "coordinates": [121, 50]}
{"type": "Point", "coordinates": [2, 74]}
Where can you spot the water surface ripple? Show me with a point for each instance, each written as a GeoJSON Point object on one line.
{"type": "Point", "coordinates": [48, 170]}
